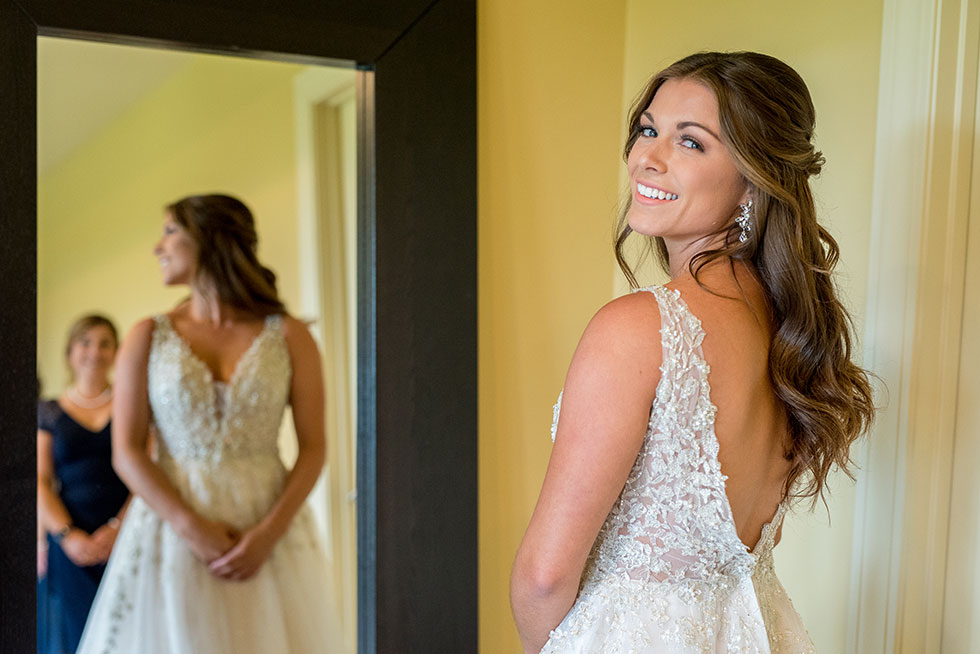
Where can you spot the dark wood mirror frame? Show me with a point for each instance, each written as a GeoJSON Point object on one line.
{"type": "Point", "coordinates": [417, 404]}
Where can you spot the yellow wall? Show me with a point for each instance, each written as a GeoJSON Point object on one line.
{"type": "Point", "coordinates": [219, 124]}
{"type": "Point", "coordinates": [554, 86]}
{"type": "Point", "coordinates": [549, 101]}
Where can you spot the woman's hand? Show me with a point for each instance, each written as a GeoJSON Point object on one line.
{"type": "Point", "coordinates": [103, 539]}
{"type": "Point", "coordinates": [80, 549]}
{"type": "Point", "coordinates": [210, 539]}
{"type": "Point", "coordinates": [246, 557]}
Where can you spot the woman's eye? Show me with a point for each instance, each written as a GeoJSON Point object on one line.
{"type": "Point", "coordinates": [688, 142]}
{"type": "Point", "coordinates": [648, 131]}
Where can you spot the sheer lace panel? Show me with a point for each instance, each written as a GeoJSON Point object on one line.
{"type": "Point", "coordinates": [672, 522]}
{"type": "Point", "coordinates": [667, 572]}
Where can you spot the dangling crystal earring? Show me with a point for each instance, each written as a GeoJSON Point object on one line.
{"type": "Point", "coordinates": [743, 220]}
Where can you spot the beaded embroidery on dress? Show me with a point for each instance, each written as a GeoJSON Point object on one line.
{"type": "Point", "coordinates": [217, 444]}
{"type": "Point", "coordinates": [667, 572]}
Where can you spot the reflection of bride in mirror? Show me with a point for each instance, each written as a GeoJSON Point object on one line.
{"type": "Point", "coordinates": [218, 552]}
{"type": "Point", "coordinates": [79, 497]}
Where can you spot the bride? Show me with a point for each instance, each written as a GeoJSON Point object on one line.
{"type": "Point", "coordinates": [694, 413]}
{"type": "Point", "coordinates": [217, 552]}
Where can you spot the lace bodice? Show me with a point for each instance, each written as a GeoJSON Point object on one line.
{"type": "Point", "coordinates": [217, 446]}
{"type": "Point", "coordinates": [668, 558]}
{"type": "Point", "coordinates": [205, 421]}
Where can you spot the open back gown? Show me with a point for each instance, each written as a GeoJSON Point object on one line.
{"type": "Point", "coordinates": [668, 573]}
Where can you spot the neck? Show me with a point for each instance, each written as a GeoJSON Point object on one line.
{"type": "Point", "coordinates": [91, 385]}
{"type": "Point", "coordinates": [206, 307]}
{"type": "Point", "coordinates": [680, 254]}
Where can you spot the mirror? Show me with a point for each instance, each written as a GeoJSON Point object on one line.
{"type": "Point", "coordinates": [416, 284]}
{"type": "Point", "coordinates": [123, 131]}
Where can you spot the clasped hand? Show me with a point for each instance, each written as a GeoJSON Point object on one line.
{"type": "Point", "coordinates": [228, 553]}
{"type": "Point", "coordinates": [84, 549]}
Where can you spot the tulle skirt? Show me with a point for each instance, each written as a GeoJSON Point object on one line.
{"type": "Point", "coordinates": [158, 598]}
{"type": "Point", "coordinates": [616, 615]}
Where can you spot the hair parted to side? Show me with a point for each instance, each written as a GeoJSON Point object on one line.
{"type": "Point", "coordinates": [767, 123]}
{"type": "Point", "coordinates": [78, 330]}
{"type": "Point", "coordinates": [224, 230]}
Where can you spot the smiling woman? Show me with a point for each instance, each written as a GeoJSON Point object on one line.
{"type": "Point", "coordinates": [691, 178]}
{"type": "Point", "coordinates": [216, 505]}
{"type": "Point", "coordinates": [665, 493]}
{"type": "Point", "coordinates": [80, 498]}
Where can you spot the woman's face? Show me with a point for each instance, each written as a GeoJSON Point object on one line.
{"type": "Point", "coordinates": [93, 352]}
{"type": "Point", "coordinates": [685, 186]}
{"type": "Point", "coordinates": [177, 253]}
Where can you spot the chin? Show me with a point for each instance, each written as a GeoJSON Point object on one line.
{"type": "Point", "coordinates": [643, 229]}
{"type": "Point", "coordinates": [173, 280]}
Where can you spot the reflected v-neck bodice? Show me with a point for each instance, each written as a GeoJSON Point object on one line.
{"type": "Point", "coordinates": [198, 418]}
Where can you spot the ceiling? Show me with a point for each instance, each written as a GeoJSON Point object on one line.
{"type": "Point", "coordinates": [98, 81]}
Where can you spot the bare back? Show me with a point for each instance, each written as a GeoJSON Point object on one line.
{"type": "Point", "coordinates": [751, 423]}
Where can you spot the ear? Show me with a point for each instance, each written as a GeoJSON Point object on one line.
{"type": "Point", "coordinates": [748, 194]}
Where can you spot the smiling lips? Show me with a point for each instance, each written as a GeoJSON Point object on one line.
{"type": "Point", "coordinates": [654, 193]}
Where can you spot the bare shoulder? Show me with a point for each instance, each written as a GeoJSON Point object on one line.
{"type": "Point", "coordinates": [722, 302]}
{"type": "Point", "coordinates": [621, 341]}
{"type": "Point", "coordinates": [137, 340]}
{"type": "Point", "coordinates": [297, 335]}
{"type": "Point", "coordinates": [634, 315]}
{"type": "Point", "coordinates": [701, 298]}
{"type": "Point", "coordinates": [133, 357]}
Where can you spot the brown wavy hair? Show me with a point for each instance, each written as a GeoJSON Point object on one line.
{"type": "Point", "coordinates": [224, 230]}
{"type": "Point", "coordinates": [767, 123]}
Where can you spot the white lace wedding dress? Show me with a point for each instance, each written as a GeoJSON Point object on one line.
{"type": "Point", "coordinates": [217, 444]}
{"type": "Point", "coordinates": [668, 573]}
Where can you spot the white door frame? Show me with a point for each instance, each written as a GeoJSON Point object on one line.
{"type": "Point", "coordinates": [327, 256]}
{"type": "Point", "coordinates": [920, 211]}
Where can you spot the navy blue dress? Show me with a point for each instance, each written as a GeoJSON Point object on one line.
{"type": "Point", "coordinates": [92, 493]}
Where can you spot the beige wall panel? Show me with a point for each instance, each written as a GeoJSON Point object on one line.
{"type": "Point", "coordinates": [219, 124]}
{"type": "Point", "coordinates": [549, 102]}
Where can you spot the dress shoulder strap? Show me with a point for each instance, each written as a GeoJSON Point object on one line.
{"type": "Point", "coordinates": [767, 541]}
{"type": "Point", "coordinates": [274, 321]}
{"type": "Point", "coordinates": [161, 322]}
{"type": "Point", "coordinates": [680, 334]}
{"type": "Point", "coordinates": [681, 331]}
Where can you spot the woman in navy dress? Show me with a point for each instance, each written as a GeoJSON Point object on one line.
{"type": "Point", "coordinates": [80, 498]}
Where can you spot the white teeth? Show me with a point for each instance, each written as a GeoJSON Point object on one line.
{"type": "Point", "coordinates": [654, 193]}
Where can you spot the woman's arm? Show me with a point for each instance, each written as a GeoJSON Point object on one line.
{"type": "Point", "coordinates": [52, 514]}
{"type": "Point", "coordinates": [306, 399]}
{"type": "Point", "coordinates": [608, 393]}
{"type": "Point", "coordinates": [105, 536]}
{"type": "Point", "coordinates": [130, 430]}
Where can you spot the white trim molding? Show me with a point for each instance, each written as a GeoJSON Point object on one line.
{"type": "Point", "coordinates": [925, 134]}
{"type": "Point", "coordinates": [325, 114]}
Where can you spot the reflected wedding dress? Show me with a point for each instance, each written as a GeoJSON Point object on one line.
{"type": "Point", "coordinates": [668, 572]}
{"type": "Point", "coordinates": [217, 444]}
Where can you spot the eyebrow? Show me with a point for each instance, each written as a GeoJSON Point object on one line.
{"type": "Point", "coordinates": [684, 124]}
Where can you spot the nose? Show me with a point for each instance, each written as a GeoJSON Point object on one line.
{"type": "Point", "coordinates": [651, 154]}
{"type": "Point", "coordinates": [158, 248]}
